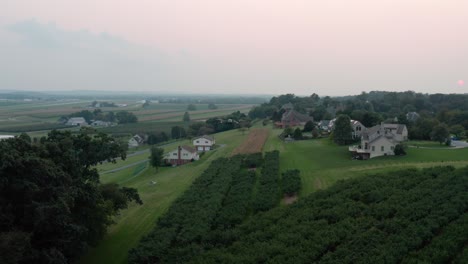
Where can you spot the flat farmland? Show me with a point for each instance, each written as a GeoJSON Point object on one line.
{"type": "Point", "coordinates": [18, 116]}
{"type": "Point", "coordinates": [254, 142]}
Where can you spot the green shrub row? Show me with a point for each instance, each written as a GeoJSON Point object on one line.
{"type": "Point", "coordinates": [179, 233]}
{"type": "Point", "coordinates": [268, 189]}
{"type": "Point", "coordinates": [291, 182]}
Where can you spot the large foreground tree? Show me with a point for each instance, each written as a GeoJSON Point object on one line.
{"type": "Point", "coordinates": [52, 205]}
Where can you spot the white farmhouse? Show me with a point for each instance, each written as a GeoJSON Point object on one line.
{"type": "Point", "coordinates": [380, 140]}
{"type": "Point", "coordinates": [181, 155]}
{"type": "Point", "coordinates": [133, 143]}
{"type": "Point", "coordinates": [204, 143]}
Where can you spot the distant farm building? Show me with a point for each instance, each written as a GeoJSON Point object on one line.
{"type": "Point", "coordinates": [181, 155]}
{"type": "Point", "coordinates": [380, 140]}
{"type": "Point", "coordinates": [204, 143]}
{"type": "Point", "coordinates": [135, 141]}
{"type": "Point", "coordinates": [2, 137]}
{"type": "Point", "coordinates": [291, 118]}
{"type": "Point", "coordinates": [99, 123]}
{"type": "Point", "coordinates": [76, 121]}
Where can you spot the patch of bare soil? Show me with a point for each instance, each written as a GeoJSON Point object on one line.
{"type": "Point", "coordinates": [289, 199]}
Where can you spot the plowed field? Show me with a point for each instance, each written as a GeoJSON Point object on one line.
{"type": "Point", "coordinates": [254, 142]}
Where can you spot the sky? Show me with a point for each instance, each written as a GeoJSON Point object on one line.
{"type": "Point", "coordinates": [332, 47]}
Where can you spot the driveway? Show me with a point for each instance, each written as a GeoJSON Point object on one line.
{"type": "Point", "coordinates": [459, 144]}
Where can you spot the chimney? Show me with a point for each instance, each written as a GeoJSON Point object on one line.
{"type": "Point", "coordinates": [179, 161]}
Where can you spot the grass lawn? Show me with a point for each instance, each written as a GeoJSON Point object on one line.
{"type": "Point", "coordinates": [136, 221]}
{"type": "Point", "coordinates": [322, 163]}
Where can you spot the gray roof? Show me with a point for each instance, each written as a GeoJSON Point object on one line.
{"type": "Point", "coordinates": [189, 149]}
{"type": "Point", "coordinates": [206, 137]}
{"type": "Point", "coordinates": [371, 131]}
{"type": "Point", "coordinates": [76, 119]}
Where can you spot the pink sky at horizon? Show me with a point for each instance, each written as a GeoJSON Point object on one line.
{"type": "Point", "coordinates": [274, 45]}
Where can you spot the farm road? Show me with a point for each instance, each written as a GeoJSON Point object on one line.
{"type": "Point", "coordinates": [456, 144]}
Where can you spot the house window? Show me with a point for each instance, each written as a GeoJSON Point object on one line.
{"type": "Point", "coordinates": [174, 154]}
{"type": "Point", "coordinates": [206, 142]}
{"type": "Point", "coordinates": [392, 147]}
{"type": "Point", "coordinates": [373, 148]}
{"type": "Point", "coordinates": [185, 154]}
{"type": "Point", "coordinates": [382, 148]}
{"type": "Point", "coordinates": [366, 146]}
{"type": "Point", "coordinates": [198, 141]}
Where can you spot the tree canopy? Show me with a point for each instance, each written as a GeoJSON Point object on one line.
{"type": "Point", "coordinates": [52, 205]}
{"type": "Point", "coordinates": [186, 117]}
{"type": "Point", "coordinates": [156, 158]}
{"type": "Point", "coordinates": [342, 131]}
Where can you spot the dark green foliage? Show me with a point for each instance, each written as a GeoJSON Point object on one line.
{"type": "Point", "coordinates": [232, 121]}
{"type": "Point", "coordinates": [451, 240]}
{"type": "Point", "coordinates": [237, 202]}
{"type": "Point", "coordinates": [86, 114]}
{"type": "Point", "coordinates": [156, 158]}
{"type": "Point", "coordinates": [52, 206]}
{"type": "Point", "coordinates": [252, 160]}
{"type": "Point", "coordinates": [297, 133]}
{"type": "Point", "coordinates": [399, 150]}
{"type": "Point", "coordinates": [191, 107]}
{"type": "Point", "coordinates": [184, 231]}
{"type": "Point", "coordinates": [457, 130]}
{"type": "Point", "coordinates": [186, 117]}
{"type": "Point", "coordinates": [309, 126]}
{"type": "Point", "coordinates": [155, 138]}
{"type": "Point", "coordinates": [440, 133]}
{"type": "Point", "coordinates": [124, 117]}
{"type": "Point", "coordinates": [291, 182]}
{"type": "Point", "coordinates": [268, 189]}
{"type": "Point", "coordinates": [342, 131]}
{"type": "Point", "coordinates": [409, 215]}
{"type": "Point", "coordinates": [178, 132]}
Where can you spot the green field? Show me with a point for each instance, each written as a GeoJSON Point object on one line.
{"type": "Point", "coordinates": [321, 163]}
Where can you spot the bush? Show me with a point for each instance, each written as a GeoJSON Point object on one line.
{"type": "Point", "coordinates": [399, 150]}
{"type": "Point", "coordinates": [291, 182]}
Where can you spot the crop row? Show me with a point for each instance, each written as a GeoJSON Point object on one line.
{"type": "Point", "coordinates": [291, 182]}
{"type": "Point", "coordinates": [268, 189]}
{"type": "Point", "coordinates": [178, 234]}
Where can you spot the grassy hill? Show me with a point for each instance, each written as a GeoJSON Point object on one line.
{"type": "Point", "coordinates": [321, 163]}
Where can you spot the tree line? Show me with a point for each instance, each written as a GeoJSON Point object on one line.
{"type": "Point", "coordinates": [52, 204]}
{"type": "Point", "coordinates": [448, 111]}
{"type": "Point", "coordinates": [121, 117]}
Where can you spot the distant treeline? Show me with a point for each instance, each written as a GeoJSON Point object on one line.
{"type": "Point", "coordinates": [450, 110]}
